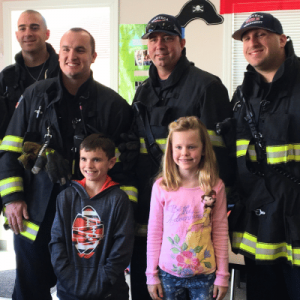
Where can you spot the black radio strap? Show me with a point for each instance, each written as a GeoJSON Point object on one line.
{"type": "Point", "coordinates": [260, 143]}
{"type": "Point", "coordinates": [143, 120]}
{"type": "Point", "coordinates": [258, 137]}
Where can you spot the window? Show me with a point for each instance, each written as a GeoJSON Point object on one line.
{"type": "Point", "coordinates": [99, 17]}
{"type": "Point", "coordinates": [235, 63]}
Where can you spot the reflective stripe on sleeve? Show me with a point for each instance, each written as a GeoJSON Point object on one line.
{"type": "Point", "coordinates": [131, 192]}
{"type": "Point", "coordinates": [30, 229]}
{"type": "Point", "coordinates": [241, 147]}
{"type": "Point", "coordinates": [215, 139]}
{"type": "Point", "coordinates": [11, 185]}
{"type": "Point", "coordinates": [265, 251]}
{"type": "Point", "coordinates": [12, 143]}
{"type": "Point", "coordinates": [161, 143]}
{"type": "Point", "coordinates": [117, 154]}
{"type": "Point", "coordinates": [275, 154]}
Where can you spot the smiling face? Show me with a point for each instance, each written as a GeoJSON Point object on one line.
{"type": "Point", "coordinates": [32, 33]}
{"type": "Point", "coordinates": [165, 50]}
{"type": "Point", "coordinates": [264, 50]}
{"type": "Point", "coordinates": [94, 165]}
{"type": "Point", "coordinates": [75, 55]}
{"type": "Point", "coordinates": [187, 151]}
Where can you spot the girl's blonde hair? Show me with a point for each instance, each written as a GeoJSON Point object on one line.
{"type": "Point", "coordinates": [208, 170]}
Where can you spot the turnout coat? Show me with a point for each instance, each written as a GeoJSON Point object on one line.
{"type": "Point", "coordinates": [265, 223]}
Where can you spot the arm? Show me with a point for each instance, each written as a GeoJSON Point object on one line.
{"type": "Point", "coordinates": [220, 237]}
{"type": "Point", "coordinates": [58, 247]}
{"type": "Point", "coordinates": [154, 241]}
{"type": "Point", "coordinates": [216, 107]}
{"type": "Point", "coordinates": [123, 238]}
{"type": "Point", "coordinates": [11, 172]}
{"type": "Point", "coordinates": [121, 117]}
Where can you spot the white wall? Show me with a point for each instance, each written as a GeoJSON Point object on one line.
{"type": "Point", "coordinates": [204, 42]}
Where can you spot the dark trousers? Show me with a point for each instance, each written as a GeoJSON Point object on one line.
{"type": "Point", "coordinates": [272, 282]}
{"type": "Point", "coordinates": [138, 265]}
{"type": "Point", "coordinates": [34, 274]}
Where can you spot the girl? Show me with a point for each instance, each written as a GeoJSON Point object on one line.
{"type": "Point", "coordinates": [187, 247]}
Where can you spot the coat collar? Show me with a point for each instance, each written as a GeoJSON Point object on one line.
{"type": "Point", "coordinates": [283, 77]}
{"type": "Point", "coordinates": [54, 92]}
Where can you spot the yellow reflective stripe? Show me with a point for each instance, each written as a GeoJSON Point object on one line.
{"type": "Point", "coordinates": [160, 142]}
{"type": "Point", "coordinates": [143, 148]}
{"type": "Point", "coordinates": [12, 143]}
{"type": "Point", "coordinates": [0, 142]}
{"type": "Point", "coordinates": [11, 185]}
{"type": "Point", "coordinates": [275, 154]}
{"type": "Point", "coordinates": [131, 192]}
{"type": "Point", "coordinates": [140, 229]}
{"type": "Point", "coordinates": [283, 153]}
{"type": "Point", "coordinates": [30, 229]}
{"type": "Point", "coordinates": [215, 139]}
{"type": "Point", "coordinates": [252, 153]}
{"type": "Point", "coordinates": [265, 251]}
{"type": "Point", "coordinates": [241, 147]}
{"type": "Point", "coordinates": [117, 154]}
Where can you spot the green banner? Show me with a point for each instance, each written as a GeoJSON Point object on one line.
{"type": "Point", "coordinates": [134, 60]}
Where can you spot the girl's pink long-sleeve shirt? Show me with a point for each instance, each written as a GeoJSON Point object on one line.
{"type": "Point", "coordinates": [184, 237]}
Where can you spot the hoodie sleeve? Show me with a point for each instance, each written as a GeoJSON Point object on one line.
{"type": "Point", "coordinates": [123, 239]}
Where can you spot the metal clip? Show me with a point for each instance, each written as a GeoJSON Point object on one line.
{"type": "Point", "coordinates": [259, 212]}
{"type": "Point", "coordinates": [38, 112]}
{"type": "Point", "coordinates": [48, 135]}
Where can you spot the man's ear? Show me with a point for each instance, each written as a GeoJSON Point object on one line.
{"type": "Point", "coordinates": [283, 40]}
{"type": "Point", "coordinates": [94, 57]}
{"type": "Point", "coordinates": [47, 34]}
{"type": "Point", "coordinates": [182, 43]}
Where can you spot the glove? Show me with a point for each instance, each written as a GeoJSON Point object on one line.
{"type": "Point", "coordinates": [57, 167]}
{"type": "Point", "coordinates": [130, 149]}
{"type": "Point", "coordinates": [29, 155]}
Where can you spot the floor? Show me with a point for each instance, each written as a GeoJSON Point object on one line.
{"type": "Point", "coordinates": [7, 259]}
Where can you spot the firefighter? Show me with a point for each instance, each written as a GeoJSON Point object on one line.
{"type": "Point", "coordinates": [36, 61]}
{"type": "Point", "coordinates": [264, 224]}
{"type": "Point", "coordinates": [174, 89]}
{"type": "Point", "coordinates": [53, 115]}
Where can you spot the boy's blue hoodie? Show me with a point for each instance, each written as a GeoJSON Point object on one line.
{"type": "Point", "coordinates": [91, 241]}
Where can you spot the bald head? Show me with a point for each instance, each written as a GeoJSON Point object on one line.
{"type": "Point", "coordinates": [37, 14]}
{"type": "Point", "coordinates": [32, 32]}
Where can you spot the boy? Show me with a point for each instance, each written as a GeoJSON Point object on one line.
{"type": "Point", "coordinates": [92, 233]}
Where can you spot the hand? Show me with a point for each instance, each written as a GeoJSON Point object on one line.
{"type": "Point", "coordinates": [219, 292]}
{"type": "Point", "coordinates": [155, 291]}
{"type": "Point", "coordinates": [15, 212]}
{"type": "Point", "coordinates": [130, 150]}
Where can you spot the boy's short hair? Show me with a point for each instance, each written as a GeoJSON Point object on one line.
{"type": "Point", "coordinates": [99, 141]}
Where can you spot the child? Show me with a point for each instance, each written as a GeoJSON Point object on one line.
{"type": "Point", "coordinates": [187, 248]}
{"type": "Point", "coordinates": [92, 234]}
